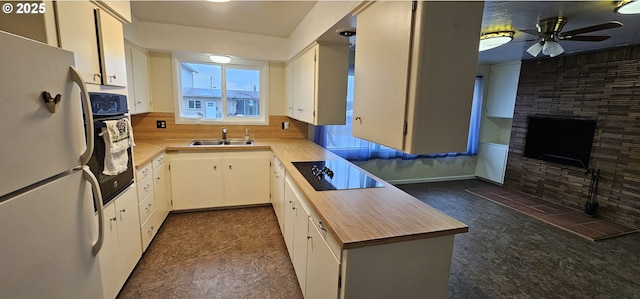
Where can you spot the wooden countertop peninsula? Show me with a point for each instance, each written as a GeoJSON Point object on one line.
{"type": "Point", "coordinates": [355, 217]}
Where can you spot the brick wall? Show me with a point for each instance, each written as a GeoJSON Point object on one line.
{"type": "Point", "coordinates": [605, 86]}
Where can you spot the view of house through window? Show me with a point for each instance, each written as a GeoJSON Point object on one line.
{"type": "Point", "coordinates": [220, 93]}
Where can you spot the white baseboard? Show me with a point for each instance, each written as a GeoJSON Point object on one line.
{"type": "Point", "coordinates": [431, 180]}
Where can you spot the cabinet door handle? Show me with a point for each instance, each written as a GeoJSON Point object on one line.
{"type": "Point", "coordinates": [150, 230]}
{"type": "Point", "coordinates": [123, 210]}
{"type": "Point", "coordinates": [359, 118]}
{"type": "Point", "coordinates": [229, 166]}
{"type": "Point", "coordinates": [113, 77]}
{"type": "Point", "coordinates": [112, 219]}
{"type": "Point", "coordinates": [321, 226]}
{"type": "Point", "coordinates": [146, 187]}
{"type": "Point", "coordinates": [144, 171]}
{"type": "Point", "coordinates": [215, 167]}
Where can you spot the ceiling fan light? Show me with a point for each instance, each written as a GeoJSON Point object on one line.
{"type": "Point", "coordinates": [220, 58]}
{"type": "Point", "coordinates": [552, 48]}
{"type": "Point", "coordinates": [535, 49]}
{"type": "Point", "coordinates": [557, 51]}
{"type": "Point", "coordinates": [494, 39]}
{"type": "Point", "coordinates": [628, 7]}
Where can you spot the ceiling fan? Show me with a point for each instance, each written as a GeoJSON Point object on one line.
{"type": "Point", "coordinates": [550, 30]}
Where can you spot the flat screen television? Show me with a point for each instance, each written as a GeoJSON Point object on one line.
{"type": "Point", "coordinates": [566, 141]}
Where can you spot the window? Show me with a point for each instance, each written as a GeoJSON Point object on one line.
{"type": "Point", "coordinates": [215, 93]}
{"type": "Point", "coordinates": [192, 104]}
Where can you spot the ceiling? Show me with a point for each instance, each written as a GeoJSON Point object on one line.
{"type": "Point", "coordinates": [516, 15]}
{"type": "Point", "coordinates": [271, 18]}
{"type": "Point", "coordinates": [280, 18]}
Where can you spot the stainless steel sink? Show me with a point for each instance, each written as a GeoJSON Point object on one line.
{"type": "Point", "coordinates": [220, 142]}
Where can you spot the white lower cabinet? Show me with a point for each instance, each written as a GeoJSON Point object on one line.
{"type": "Point", "coordinates": [209, 180]}
{"type": "Point", "coordinates": [296, 219]}
{"type": "Point", "coordinates": [161, 190]}
{"type": "Point", "coordinates": [196, 182]}
{"type": "Point", "coordinates": [314, 260]}
{"type": "Point", "coordinates": [277, 189]}
{"type": "Point", "coordinates": [492, 161]}
{"type": "Point", "coordinates": [121, 248]}
{"type": "Point", "coordinates": [323, 267]}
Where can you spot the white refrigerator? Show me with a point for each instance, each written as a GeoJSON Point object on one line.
{"type": "Point", "coordinates": [49, 233]}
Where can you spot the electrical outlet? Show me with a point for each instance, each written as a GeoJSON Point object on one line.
{"type": "Point", "coordinates": [161, 124]}
{"type": "Point", "coordinates": [285, 125]}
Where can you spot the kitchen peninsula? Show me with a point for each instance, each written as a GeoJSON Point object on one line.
{"type": "Point", "coordinates": [386, 242]}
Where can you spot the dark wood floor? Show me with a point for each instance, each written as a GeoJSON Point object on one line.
{"type": "Point", "coordinates": [241, 254]}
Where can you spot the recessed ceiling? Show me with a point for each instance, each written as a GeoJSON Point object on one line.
{"type": "Point", "coordinates": [270, 18]}
{"type": "Point", "coordinates": [519, 15]}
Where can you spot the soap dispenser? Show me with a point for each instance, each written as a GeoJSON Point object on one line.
{"type": "Point", "coordinates": [246, 136]}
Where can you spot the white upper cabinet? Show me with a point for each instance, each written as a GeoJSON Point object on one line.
{"type": "Point", "coordinates": [137, 61]}
{"type": "Point", "coordinates": [414, 80]}
{"type": "Point", "coordinates": [99, 50]}
{"type": "Point", "coordinates": [112, 50]}
{"type": "Point", "coordinates": [502, 90]}
{"type": "Point", "coordinates": [317, 85]}
{"type": "Point", "coordinates": [77, 29]}
{"type": "Point", "coordinates": [120, 8]}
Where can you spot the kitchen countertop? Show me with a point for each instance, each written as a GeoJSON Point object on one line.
{"type": "Point", "coordinates": [355, 217]}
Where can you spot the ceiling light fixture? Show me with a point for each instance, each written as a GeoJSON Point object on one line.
{"type": "Point", "coordinates": [547, 47]}
{"type": "Point", "coordinates": [219, 1]}
{"type": "Point", "coordinates": [494, 39]}
{"type": "Point", "coordinates": [220, 58]}
{"type": "Point", "coordinates": [535, 49]}
{"type": "Point", "coordinates": [627, 7]}
{"type": "Point", "coordinates": [552, 48]}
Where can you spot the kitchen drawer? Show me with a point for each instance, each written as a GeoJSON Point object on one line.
{"type": "Point", "coordinates": [331, 241]}
{"type": "Point", "coordinates": [143, 171]}
{"type": "Point", "coordinates": [146, 207]}
{"type": "Point", "coordinates": [157, 161]}
{"type": "Point", "coordinates": [145, 186]}
{"type": "Point", "coordinates": [148, 230]}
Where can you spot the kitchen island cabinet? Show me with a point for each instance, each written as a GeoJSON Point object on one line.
{"type": "Point", "coordinates": [414, 74]}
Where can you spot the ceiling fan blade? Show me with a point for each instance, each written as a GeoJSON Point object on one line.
{"type": "Point", "coordinates": [532, 32]}
{"type": "Point", "coordinates": [603, 26]}
{"type": "Point", "coordinates": [586, 38]}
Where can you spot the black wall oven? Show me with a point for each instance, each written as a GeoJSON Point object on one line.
{"type": "Point", "coordinates": [106, 106]}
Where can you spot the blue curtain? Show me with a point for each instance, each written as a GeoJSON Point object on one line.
{"type": "Point", "coordinates": [338, 139]}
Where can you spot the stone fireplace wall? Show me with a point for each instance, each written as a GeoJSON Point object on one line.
{"type": "Point", "coordinates": [602, 85]}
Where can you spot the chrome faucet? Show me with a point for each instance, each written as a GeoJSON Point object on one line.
{"type": "Point", "coordinates": [224, 135]}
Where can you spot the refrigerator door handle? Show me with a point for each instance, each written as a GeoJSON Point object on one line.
{"type": "Point", "coordinates": [88, 114]}
{"type": "Point", "coordinates": [97, 201]}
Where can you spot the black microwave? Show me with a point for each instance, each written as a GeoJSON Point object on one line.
{"type": "Point", "coordinates": [108, 104]}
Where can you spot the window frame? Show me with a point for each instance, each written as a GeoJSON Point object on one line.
{"type": "Point", "coordinates": [237, 63]}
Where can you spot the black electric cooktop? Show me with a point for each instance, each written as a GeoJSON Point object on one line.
{"type": "Point", "coordinates": [335, 175]}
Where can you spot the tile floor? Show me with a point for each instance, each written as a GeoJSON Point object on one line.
{"type": "Point", "coordinates": [563, 217]}
{"type": "Point", "coordinates": [241, 254]}
{"type": "Point", "coordinates": [236, 253]}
